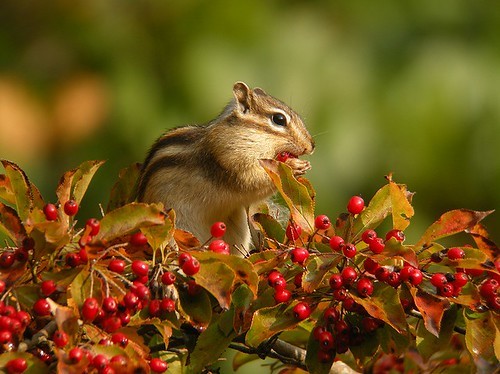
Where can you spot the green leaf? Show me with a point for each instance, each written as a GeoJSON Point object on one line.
{"type": "Point", "coordinates": [402, 210]}
{"type": "Point", "coordinates": [295, 194]}
{"type": "Point", "coordinates": [480, 336]}
{"type": "Point", "coordinates": [270, 227]}
{"type": "Point", "coordinates": [21, 188]}
{"type": "Point", "coordinates": [27, 295]}
{"type": "Point", "coordinates": [84, 285]}
{"type": "Point", "coordinates": [377, 210]}
{"type": "Point", "coordinates": [269, 321]}
{"type": "Point", "coordinates": [241, 359]}
{"type": "Point", "coordinates": [384, 304]}
{"type": "Point", "coordinates": [212, 342]}
{"type": "Point", "coordinates": [129, 218]}
{"type": "Point", "coordinates": [198, 307]}
{"type": "Point", "coordinates": [160, 235]}
{"type": "Point", "coordinates": [313, 364]}
{"type": "Point", "coordinates": [74, 183]}
{"type": "Point", "coordinates": [450, 223]}
{"type": "Point", "coordinates": [124, 188]}
{"type": "Point", "coordinates": [317, 266]}
{"type": "Point", "coordinates": [428, 344]}
{"type": "Point", "coordinates": [432, 309]}
{"type": "Point", "coordinates": [394, 248]}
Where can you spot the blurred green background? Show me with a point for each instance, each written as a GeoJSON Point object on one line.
{"type": "Point", "coordinates": [407, 87]}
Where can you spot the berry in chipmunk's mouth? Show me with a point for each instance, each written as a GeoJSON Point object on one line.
{"type": "Point", "coordinates": [283, 156]}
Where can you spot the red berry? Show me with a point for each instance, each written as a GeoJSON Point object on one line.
{"type": "Point", "coordinates": [336, 243]}
{"type": "Point", "coordinates": [318, 330]}
{"type": "Point", "coordinates": [355, 205]}
{"type": "Point", "coordinates": [382, 273]}
{"type": "Point", "coordinates": [21, 254]}
{"type": "Point", "coordinates": [460, 280]}
{"type": "Point", "coordinates": [438, 280]}
{"type": "Point", "coordinates": [282, 295]}
{"type": "Point", "coordinates": [71, 207]}
{"type": "Point", "coordinates": [100, 361]}
{"type": "Point", "coordinates": [325, 340]}
{"type": "Point", "coordinates": [72, 259]}
{"type": "Point", "coordinates": [131, 300]}
{"type": "Point", "coordinates": [297, 280]}
{"type": "Point", "coordinates": [50, 212]}
{"type": "Point", "coordinates": [48, 287]}
{"type": "Point", "coordinates": [456, 253]}
{"type": "Point", "coordinates": [341, 294]}
{"type": "Point", "coordinates": [377, 245]}
{"type": "Point", "coordinates": [219, 246]}
{"type": "Point", "coordinates": [299, 255]}
{"type": "Point", "coordinates": [370, 324]}
{"type": "Point", "coordinates": [168, 278]}
{"type": "Point", "coordinates": [154, 307]}
{"type": "Point", "coordinates": [393, 279]}
{"type": "Point", "coordinates": [191, 267]}
{"type": "Point", "coordinates": [120, 339]}
{"type": "Point", "coordinates": [370, 265]}
{"type": "Point", "coordinates": [41, 307]}
{"type": "Point", "coordinates": [364, 287]}
{"type": "Point", "coordinates": [117, 265]}
{"type": "Point", "coordinates": [184, 257]}
{"type": "Point", "coordinates": [109, 305]}
{"type": "Point", "coordinates": [60, 338]}
{"type": "Point", "coordinates": [416, 277]}
{"type": "Point", "coordinates": [138, 239]}
{"type": "Point", "coordinates": [7, 259]}
{"type": "Point", "coordinates": [489, 288]}
{"type": "Point", "coordinates": [368, 236]}
{"type": "Point", "coordinates": [273, 276]}
{"type": "Point", "coordinates": [167, 305]}
{"type": "Point", "coordinates": [23, 317]}
{"type": "Point", "coordinates": [16, 366]}
{"type": "Point", "coordinates": [95, 226]}
{"type": "Point", "coordinates": [349, 250]}
{"type": "Point", "coordinates": [396, 234]}
{"type": "Point", "coordinates": [325, 356]}
{"type": "Point", "coordinates": [111, 324]}
{"type": "Point", "coordinates": [447, 290]}
{"type": "Point", "coordinates": [293, 231]}
{"type": "Point", "coordinates": [140, 268]}
{"type": "Point", "coordinates": [279, 283]}
{"type": "Point", "coordinates": [158, 365]}
{"type": "Point", "coordinates": [301, 311]}
{"type": "Point", "coordinates": [5, 336]}
{"type": "Point", "coordinates": [283, 156]}
{"type": "Point", "coordinates": [322, 222]}
{"type": "Point", "coordinates": [331, 314]}
{"type": "Point", "coordinates": [349, 275]}
{"type": "Point", "coordinates": [141, 290]}
{"type": "Point", "coordinates": [404, 273]}
{"type": "Point", "coordinates": [2, 286]}
{"type": "Point", "coordinates": [336, 281]}
{"type": "Point", "coordinates": [218, 229]}
{"type": "Point", "coordinates": [75, 355]}
{"type": "Point", "coordinates": [90, 308]}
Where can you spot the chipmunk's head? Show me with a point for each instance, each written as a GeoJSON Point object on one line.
{"type": "Point", "coordinates": [272, 125]}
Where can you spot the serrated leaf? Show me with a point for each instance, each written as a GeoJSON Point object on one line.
{"type": "Point", "coordinates": [480, 335]}
{"type": "Point", "coordinates": [21, 188]}
{"type": "Point", "coordinates": [11, 225]}
{"type": "Point", "coordinates": [377, 210]}
{"type": "Point", "coordinates": [394, 248]}
{"type": "Point", "coordinates": [402, 210]}
{"type": "Point", "coordinates": [384, 304]}
{"type": "Point", "coordinates": [295, 194]}
{"type": "Point", "coordinates": [316, 269]}
{"type": "Point", "coordinates": [212, 342]}
{"type": "Point", "coordinates": [270, 227]}
{"type": "Point", "coordinates": [129, 218]}
{"type": "Point", "coordinates": [483, 242]}
{"type": "Point", "coordinates": [269, 321]}
{"type": "Point", "coordinates": [450, 223]}
{"type": "Point", "coordinates": [432, 309]}
{"type": "Point", "coordinates": [82, 178]}
{"type": "Point", "coordinates": [6, 193]}
{"type": "Point", "coordinates": [123, 190]}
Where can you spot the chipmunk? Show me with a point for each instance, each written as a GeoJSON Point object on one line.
{"type": "Point", "coordinates": [210, 173]}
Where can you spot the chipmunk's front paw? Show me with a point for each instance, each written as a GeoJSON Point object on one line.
{"type": "Point", "coordinates": [298, 166]}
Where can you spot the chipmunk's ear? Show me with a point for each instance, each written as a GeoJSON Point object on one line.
{"type": "Point", "coordinates": [242, 95]}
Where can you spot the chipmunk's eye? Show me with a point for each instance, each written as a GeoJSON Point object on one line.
{"type": "Point", "coordinates": [279, 119]}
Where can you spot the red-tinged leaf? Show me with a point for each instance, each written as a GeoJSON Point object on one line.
{"type": "Point", "coordinates": [384, 304]}
{"type": "Point", "coordinates": [295, 194]}
{"type": "Point", "coordinates": [377, 210]}
{"type": "Point", "coordinates": [65, 318]}
{"type": "Point", "coordinates": [265, 261]}
{"type": "Point", "coordinates": [123, 190]}
{"type": "Point", "coordinates": [129, 218]}
{"type": "Point", "coordinates": [197, 308]}
{"type": "Point", "coordinates": [270, 227]}
{"type": "Point", "coordinates": [212, 343]}
{"type": "Point", "coordinates": [220, 274]}
{"type": "Point", "coordinates": [11, 225]}
{"type": "Point", "coordinates": [469, 297]}
{"type": "Point", "coordinates": [428, 344]}
{"type": "Point", "coordinates": [483, 242]}
{"type": "Point", "coordinates": [21, 188]}
{"type": "Point", "coordinates": [481, 336]}
{"type": "Point", "coordinates": [6, 193]}
{"type": "Point", "coordinates": [432, 309]}
{"type": "Point", "coordinates": [74, 183]}
{"type": "Point", "coordinates": [164, 329]}
{"type": "Point", "coordinates": [35, 365]}
{"type": "Point", "coordinates": [269, 321]}
{"type": "Point", "coordinates": [450, 223]}
{"type": "Point", "coordinates": [394, 248]}
{"type": "Point", "coordinates": [402, 211]}
{"type": "Point", "coordinates": [316, 269]}
{"type": "Point", "coordinates": [185, 240]}
{"type": "Point", "coordinates": [49, 236]}
{"type": "Point", "coordinates": [160, 235]}
{"type": "Point", "coordinates": [474, 259]}
{"type": "Point", "coordinates": [242, 299]}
